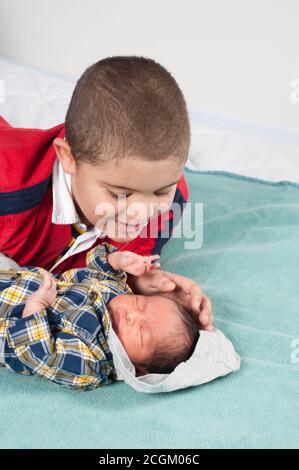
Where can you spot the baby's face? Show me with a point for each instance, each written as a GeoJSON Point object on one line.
{"type": "Point", "coordinates": [141, 322]}
{"type": "Point", "coordinates": [97, 191]}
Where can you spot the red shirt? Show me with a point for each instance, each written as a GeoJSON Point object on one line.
{"type": "Point", "coordinates": [27, 233]}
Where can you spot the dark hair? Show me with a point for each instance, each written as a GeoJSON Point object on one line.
{"type": "Point", "coordinates": [126, 106]}
{"type": "Point", "coordinates": [178, 346]}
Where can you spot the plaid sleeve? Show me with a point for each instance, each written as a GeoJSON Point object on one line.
{"type": "Point", "coordinates": [96, 259]}
{"type": "Point", "coordinates": [60, 357]}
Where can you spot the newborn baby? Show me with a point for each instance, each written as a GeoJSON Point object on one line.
{"type": "Point", "coordinates": [60, 330]}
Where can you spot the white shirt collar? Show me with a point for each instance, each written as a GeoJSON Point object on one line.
{"type": "Point", "coordinates": [64, 211]}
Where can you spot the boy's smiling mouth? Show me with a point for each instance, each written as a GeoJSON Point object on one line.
{"type": "Point", "coordinates": [129, 227]}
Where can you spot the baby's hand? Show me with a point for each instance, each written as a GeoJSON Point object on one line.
{"type": "Point", "coordinates": [43, 297]}
{"type": "Point", "coordinates": [132, 262]}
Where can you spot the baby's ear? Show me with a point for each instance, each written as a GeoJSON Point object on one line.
{"type": "Point", "coordinates": [140, 370]}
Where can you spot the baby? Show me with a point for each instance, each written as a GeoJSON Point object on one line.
{"type": "Point", "coordinates": [58, 327]}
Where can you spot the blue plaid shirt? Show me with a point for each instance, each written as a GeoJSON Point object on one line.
{"type": "Point", "coordinates": [67, 341]}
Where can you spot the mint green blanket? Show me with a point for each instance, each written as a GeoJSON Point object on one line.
{"type": "Point", "coordinates": [249, 266]}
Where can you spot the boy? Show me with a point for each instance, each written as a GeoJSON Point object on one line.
{"type": "Point", "coordinates": [60, 329]}
{"type": "Point", "coordinates": [124, 145]}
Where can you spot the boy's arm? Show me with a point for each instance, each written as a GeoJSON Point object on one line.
{"type": "Point", "coordinates": [60, 357]}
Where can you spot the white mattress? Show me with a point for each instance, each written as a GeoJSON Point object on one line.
{"type": "Point", "coordinates": [32, 97]}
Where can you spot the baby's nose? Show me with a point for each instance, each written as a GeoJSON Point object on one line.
{"type": "Point", "coordinates": [133, 316]}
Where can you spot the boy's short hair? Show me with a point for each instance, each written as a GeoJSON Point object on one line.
{"type": "Point", "coordinates": [177, 347]}
{"type": "Point", "coordinates": [127, 106]}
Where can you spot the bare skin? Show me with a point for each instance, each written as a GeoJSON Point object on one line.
{"type": "Point", "coordinates": [140, 321]}
{"type": "Point", "coordinates": [150, 182]}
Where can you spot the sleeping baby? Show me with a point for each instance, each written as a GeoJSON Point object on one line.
{"type": "Point", "coordinates": [57, 326]}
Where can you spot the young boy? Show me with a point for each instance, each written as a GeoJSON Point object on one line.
{"type": "Point", "coordinates": [119, 157]}
{"type": "Point", "coordinates": [59, 329]}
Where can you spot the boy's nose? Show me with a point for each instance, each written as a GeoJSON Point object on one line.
{"type": "Point", "coordinates": [146, 210]}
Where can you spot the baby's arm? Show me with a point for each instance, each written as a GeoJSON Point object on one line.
{"type": "Point", "coordinates": [42, 298]}
{"type": "Point", "coordinates": [54, 355]}
{"type": "Point", "coordinates": [132, 262]}
{"type": "Point", "coordinates": [105, 266]}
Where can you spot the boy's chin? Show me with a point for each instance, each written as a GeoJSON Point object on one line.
{"type": "Point", "coordinates": [123, 238]}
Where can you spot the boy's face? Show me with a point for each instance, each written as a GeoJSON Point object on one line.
{"type": "Point", "coordinates": [141, 323]}
{"type": "Point", "coordinates": [141, 184]}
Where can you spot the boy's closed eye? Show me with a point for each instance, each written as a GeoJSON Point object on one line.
{"type": "Point", "coordinates": [116, 195]}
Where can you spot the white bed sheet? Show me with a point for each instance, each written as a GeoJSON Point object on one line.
{"type": "Point", "coordinates": [33, 97]}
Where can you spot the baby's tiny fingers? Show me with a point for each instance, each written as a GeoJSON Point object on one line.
{"type": "Point", "coordinates": [49, 282]}
{"type": "Point", "coordinates": [46, 280]}
{"type": "Point", "coordinates": [153, 258]}
{"type": "Point", "coordinates": [149, 267]}
{"type": "Point", "coordinates": [150, 258]}
{"type": "Point", "coordinates": [154, 266]}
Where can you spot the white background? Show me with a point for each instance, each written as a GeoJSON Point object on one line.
{"type": "Point", "coordinates": [236, 57]}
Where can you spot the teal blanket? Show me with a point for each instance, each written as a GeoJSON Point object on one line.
{"type": "Point", "coordinates": [249, 266]}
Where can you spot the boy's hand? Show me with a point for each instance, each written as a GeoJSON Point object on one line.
{"type": "Point", "coordinates": [132, 262]}
{"type": "Point", "coordinates": [182, 289]}
{"type": "Point", "coordinates": [43, 297]}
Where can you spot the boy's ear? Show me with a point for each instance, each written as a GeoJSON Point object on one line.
{"type": "Point", "coordinates": [64, 155]}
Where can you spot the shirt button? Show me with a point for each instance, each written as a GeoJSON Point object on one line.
{"type": "Point", "coordinates": [93, 295]}
{"type": "Point", "coordinates": [15, 277]}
